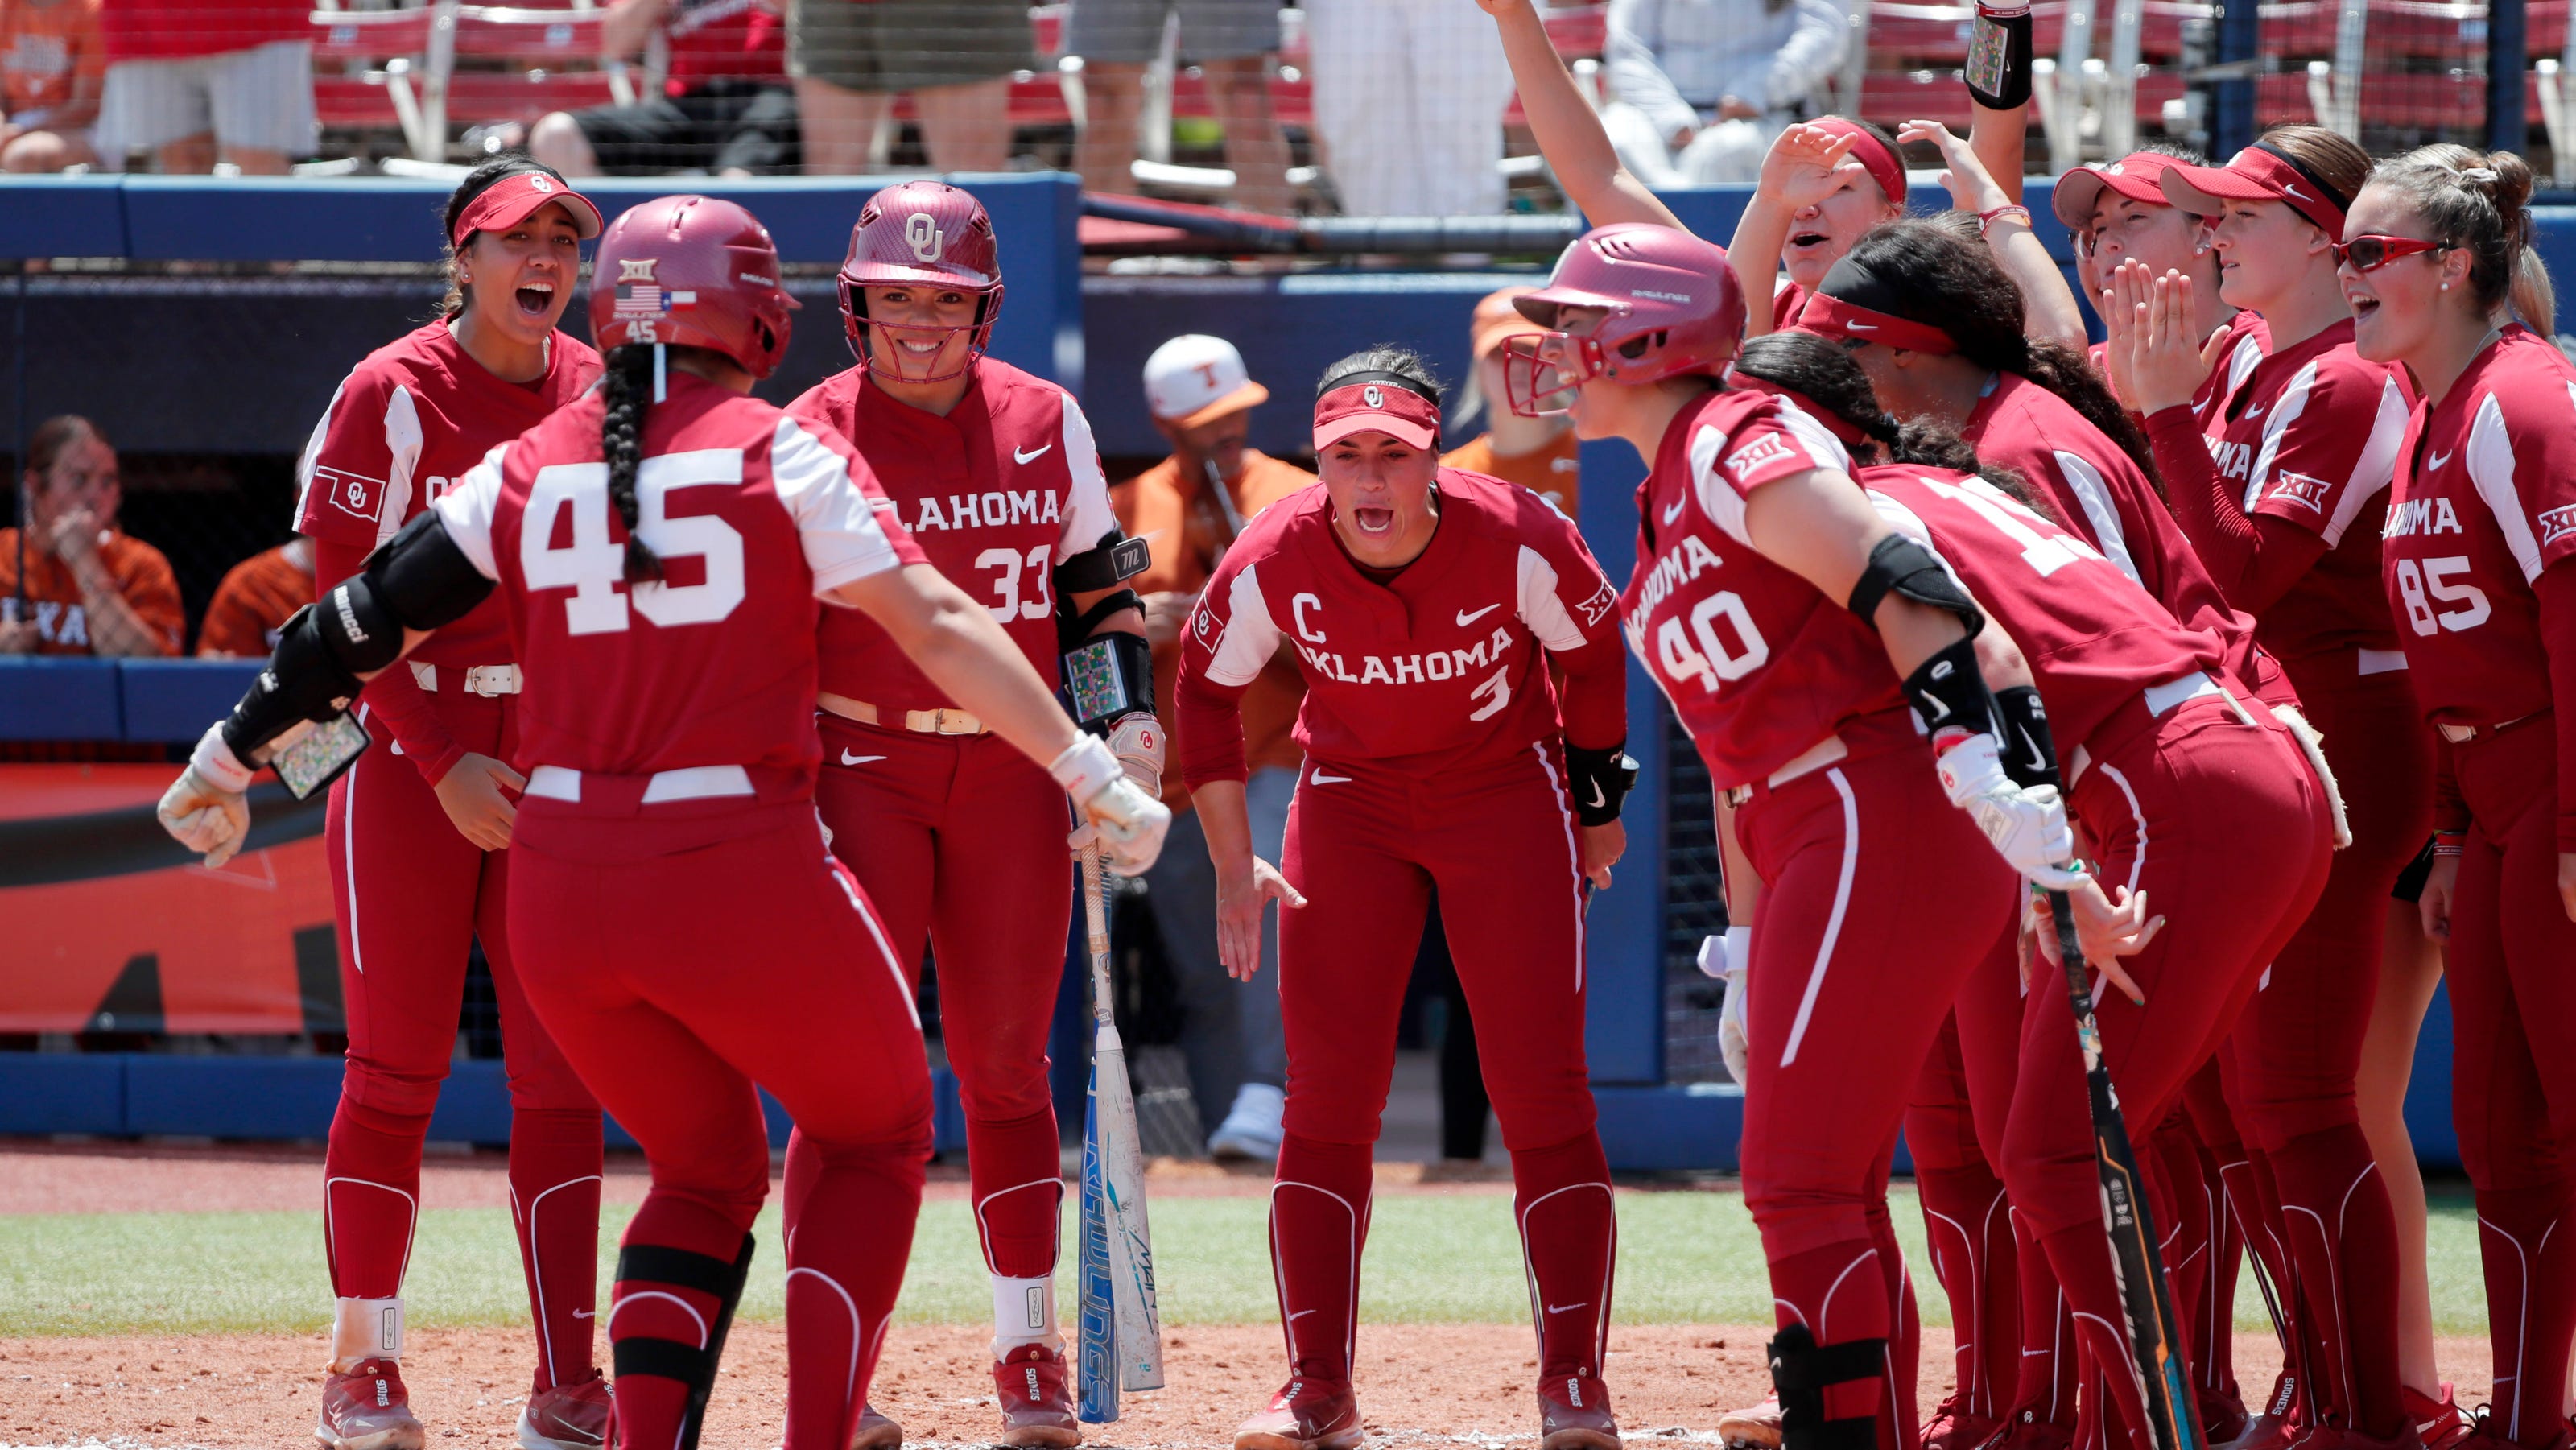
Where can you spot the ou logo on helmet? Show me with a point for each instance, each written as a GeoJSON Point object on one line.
{"type": "Point", "coordinates": [921, 233]}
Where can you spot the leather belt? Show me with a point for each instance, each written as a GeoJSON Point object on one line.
{"type": "Point", "coordinates": [2379, 661]}
{"type": "Point", "coordinates": [946, 720]}
{"type": "Point", "coordinates": [689, 783]}
{"type": "Point", "coordinates": [2463, 734]}
{"type": "Point", "coordinates": [484, 680]}
{"type": "Point", "coordinates": [1814, 758]}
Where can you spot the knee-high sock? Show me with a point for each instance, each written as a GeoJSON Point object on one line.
{"type": "Point", "coordinates": [371, 1198]}
{"type": "Point", "coordinates": [2082, 1257]}
{"type": "Point", "coordinates": [2190, 1239]}
{"type": "Point", "coordinates": [651, 1406]}
{"type": "Point", "coordinates": [2523, 1236]}
{"type": "Point", "coordinates": [2046, 1382]}
{"type": "Point", "coordinates": [1570, 1245]}
{"type": "Point", "coordinates": [849, 1231]}
{"type": "Point", "coordinates": [1319, 1215]}
{"type": "Point", "coordinates": [2213, 1315]}
{"type": "Point", "coordinates": [1905, 1344]}
{"type": "Point", "coordinates": [1840, 1292]}
{"type": "Point", "coordinates": [1018, 1182]}
{"type": "Point", "coordinates": [2343, 1241]}
{"type": "Point", "coordinates": [2256, 1197]}
{"type": "Point", "coordinates": [554, 1203]}
{"type": "Point", "coordinates": [1970, 1229]}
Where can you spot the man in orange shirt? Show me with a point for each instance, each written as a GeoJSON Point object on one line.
{"type": "Point", "coordinates": [71, 583]}
{"type": "Point", "coordinates": [1536, 453]}
{"type": "Point", "coordinates": [1188, 508]}
{"type": "Point", "coordinates": [255, 600]}
{"type": "Point", "coordinates": [53, 65]}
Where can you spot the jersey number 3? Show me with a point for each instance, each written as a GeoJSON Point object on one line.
{"type": "Point", "coordinates": [592, 564]}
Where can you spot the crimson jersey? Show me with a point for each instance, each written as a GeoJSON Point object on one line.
{"type": "Point", "coordinates": [1443, 661]}
{"type": "Point", "coordinates": [1758, 664]}
{"type": "Point", "coordinates": [997, 493]}
{"type": "Point", "coordinates": [2488, 503]}
{"type": "Point", "coordinates": [1788, 299]}
{"type": "Point", "coordinates": [754, 515]}
{"type": "Point", "coordinates": [2310, 437]}
{"type": "Point", "coordinates": [407, 422]}
{"type": "Point", "coordinates": [2094, 639]}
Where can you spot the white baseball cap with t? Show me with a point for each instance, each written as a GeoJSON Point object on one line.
{"type": "Point", "coordinates": [1195, 379]}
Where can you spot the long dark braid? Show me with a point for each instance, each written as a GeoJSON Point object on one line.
{"type": "Point", "coordinates": [627, 388]}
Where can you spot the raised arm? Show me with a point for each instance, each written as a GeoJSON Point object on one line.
{"type": "Point", "coordinates": [1569, 135]}
{"type": "Point", "coordinates": [1804, 166]}
{"type": "Point", "coordinates": [2049, 310]}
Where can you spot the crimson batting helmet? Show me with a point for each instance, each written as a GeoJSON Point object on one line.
{"type": "Point", "coordinates": [923, 234]}
{"type": "Point", "coordinates": [1670, 306]}
{"type": "Point", "coordinates": [691, 271]}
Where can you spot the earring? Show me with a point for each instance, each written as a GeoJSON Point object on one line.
{"type": "Point", "coordinates": [2446, 286]}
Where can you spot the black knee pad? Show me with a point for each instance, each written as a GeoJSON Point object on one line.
{"type": "Point", "coordinates": [1802, 1370]}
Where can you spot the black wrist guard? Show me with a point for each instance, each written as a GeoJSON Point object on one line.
{"type": "Point", "coordinates": [1107, 678]}
{"type": "Point", "coordinates": [1999, 57]}
{"type": "Point", "coordinates": [1898, 565]}
{"type": "Point", "coordinates": [1949, 696]}
{"type": "Point", "coordinates": [2029, 753]}
{"type": "Point", "coordinates": [1112, 561]}
{"type": "Point", "coordinates": [1073, 627]}
{"type": "Point", "coordinates": [1601, 779]}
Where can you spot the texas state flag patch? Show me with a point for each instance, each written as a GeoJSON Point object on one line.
{"type": "Point", "coordinates": [354, 494]}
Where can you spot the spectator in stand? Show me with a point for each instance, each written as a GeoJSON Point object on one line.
{"type": "Point", "coordinates": [851, 58]}
{"type": "Point", "coordinates": [1409, 98]}
{"type": "Point", "coordinates": [1536, 453]}
{"type": "Point", "coordinates": [70, 582]}
{"type": "Point", "coordinates": [1701, 88]}
{"type": "Point", "coordinates": [1188, 508]}
{"type": "Point", "coordinates": [255, 600]}
{"type": "Point", "coordinates": [1233, 42]}
{"type": "Point", "coordinates": [202, 82]}
{"type": "Point", "coordinates": [53, 63]}
{"type": "Point", "coordinates": [725, 106]}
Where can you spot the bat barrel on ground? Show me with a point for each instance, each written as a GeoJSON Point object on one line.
{"type": "Point", "coordinates": [2153, 1331]}
{"type": "Point", "coordinates": [1122, 1332]}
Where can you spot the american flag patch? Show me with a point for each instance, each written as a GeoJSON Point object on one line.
{"type": "Point", "coordinates": [640, 299]}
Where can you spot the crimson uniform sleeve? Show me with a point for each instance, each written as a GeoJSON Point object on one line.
{"type": "Point", "coordinates": [843, 518]}
{"type": "Point", "coordinates": [2254, 560]}
{"type": "Point", "coordinates": [2524, 469]}
{"type": "Point", "coordinates": [1573, 611]}
{"type": "Point", "coordinates": [1767, 442]}
{"type": "Point", "coordinates": [354, 481]}
{"type": "Point", "coordinates": [1229, 638]}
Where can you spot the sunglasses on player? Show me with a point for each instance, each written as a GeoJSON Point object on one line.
{"type": "Point", "coordinates": [2370, 253]}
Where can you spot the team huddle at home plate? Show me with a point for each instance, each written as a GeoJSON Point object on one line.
{"type": "Point", "coordinates": [2112, 746]}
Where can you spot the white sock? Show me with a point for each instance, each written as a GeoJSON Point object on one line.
{"type": "Point", "coordinates": [1023, 1313]}
{"type": "Point", "coordinates": [365, 1329]}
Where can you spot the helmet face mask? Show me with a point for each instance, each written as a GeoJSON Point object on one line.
{"type": "Point", "coordinates": [1542, 372]}
{"type": "Point", "coordinates": [893, 364]}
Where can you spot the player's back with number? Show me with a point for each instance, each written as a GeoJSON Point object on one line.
{"type": "Point", "coordinates": [714, 663]}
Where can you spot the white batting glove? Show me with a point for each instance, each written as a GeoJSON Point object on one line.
{"type": "Point", "coordinates": [1137, 741]}
{"type": "Point", "coordinates": [2026, 825]}
{"type": "Point", "coordinates": [1129, 823]}
{"type": "Point", "coordinates": [1730, 958]}
{"type": "Point", "coordinates": [203, 810]}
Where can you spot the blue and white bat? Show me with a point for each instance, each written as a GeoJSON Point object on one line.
{"type": "Point", "coordinates": [1121, 1325]}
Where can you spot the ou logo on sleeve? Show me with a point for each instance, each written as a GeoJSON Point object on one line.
{"type": "Point", "coordinates": [921, 233]}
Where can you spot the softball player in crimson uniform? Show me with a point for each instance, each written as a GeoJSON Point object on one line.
{"type": "Point", "coordinates": [994, 474]}
{"type": "Point", "coordinates": [1420, 601]}
{"type": "Point", "coordinates": [2481, 523]}
{"type": "Point", "coordinates": [2116, 212]}
{"type": "Point", "coordinates": [659, 548]}
{"type": "Point", "coordinates": [2282, 485]}
{"type": "Point", "coordinates": [416, 831]}
{"type": "Point", "coordinates": [1761, 574]}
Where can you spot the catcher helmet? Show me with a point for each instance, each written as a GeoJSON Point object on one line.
{"type": "Point", "coordinates": [691, 271]}
{"type": "Point", "coordinates": [1671, 306]}
{"type": "Point", "coordinates": [923, 234]}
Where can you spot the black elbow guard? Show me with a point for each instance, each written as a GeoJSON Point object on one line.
{"type": "Point", "coordinates": [1105, 565]}
{"type": "Point", "coordinates": [1602, 779]}
{"type": "Point", "coordinates": [422, 580]}
{"type": "Point", "coordinates": [1898, 565]}
{"type": "Point", "coordinates": [2029, 751]}
{"type": "Point", "coordinates": [1950, 697]}
{"type": "Point", "coordinates": [1108, 678]}
{"type": "Point", "coordinates": [1998, 72]}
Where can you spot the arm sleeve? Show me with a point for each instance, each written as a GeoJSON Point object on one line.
{"type": "Point", "coordinates": [354, 480]}
{"type": "Point", "coordinates": [1814, 51]}
{"type": "Point", "coordinates": [1573, 611]}
{"type": "Point", "coordinates": [394, 696]}
{"type": "Point", "coordinates": [2254, 559]}
{"type": "Point", "coordinates": [2557, 589]}
{"type": "Point", "coordinates": [843, 519]}
{"type": "Point", "coordinates": [1087, 512]}
{"type": "Point", "coordinates": [1230, 637]}
{"type": "Point", "coordinates": [1635, 77]}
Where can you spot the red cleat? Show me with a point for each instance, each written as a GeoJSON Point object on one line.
{"type": "Point", "coordinates": [1574, 1414]}
{"type": "Point", "coordinates": [1036, 1391]}
{"type": "Point", "coordinates": [1306, 1415]}
{"type": "Point", "coordinates": [2023, 1429]}
{"type": "Point", "coordinates": [367, 1409]}
{"type": "Point", "coordinates": [2441, 1424]}
{"type": "Point", "coordinates": [1954, 1427]}
{"type": "Point", "coordinates": [875, 1431]}
{"type": "Point", "coordinates": [567, 1417]}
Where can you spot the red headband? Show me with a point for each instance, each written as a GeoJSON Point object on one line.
{"type": "Point", "coordinates": [1832, 317]}
{"type": "Point", "coordinates": [1398, 412]}
{"type": "Point", "coordinates": [517, 196]}
{"type": "Point", "coordinates": [1872, 154]}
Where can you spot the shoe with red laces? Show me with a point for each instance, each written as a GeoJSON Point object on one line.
{"type": "Point", "coordinates": [2023, 1429]}
{"type": "Point", "coordinates": [567, 1417]}
{"type": "Point", "coordinates": [1955, 1427]}
{"type": "Point", "coordinates": [875, 1431]}
{"type": "Point", "coordinates": [1036, 1389]}
{"type": "Point", "coordinates": [367, 1409]}
{"type": "Point", "coordinates": [1574, 1414]}
{"type": "Point", "coordinates": [1308, 1414]}
{"type": "Point", "coordinates": [1756, 1427]}
{"type": "Point", "coordinates": [2440, 1423]}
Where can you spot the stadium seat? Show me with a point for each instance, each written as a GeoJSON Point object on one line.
{"type": "Point", "coordinates": [536, 39]}
{"type": "Point", "coordinates": [523, 96]}
{"type": "Point", "coordinates": [384, 71]}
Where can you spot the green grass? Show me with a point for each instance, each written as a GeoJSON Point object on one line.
{"type": "Point", "coordinates": [1684, 1257]}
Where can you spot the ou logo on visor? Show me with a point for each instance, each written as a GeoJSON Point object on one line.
{"type": "Point", "coordinates": [921, 232]}
{"type": "Point", "coordinates": [1373, 397]}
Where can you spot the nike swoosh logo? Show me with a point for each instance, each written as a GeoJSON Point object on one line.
{"type": "Point", "coordinates": [2294, 191]}
{"type": "Point", "coordinates": [2254, 411]}
{"type": "Point", "coordinates": [2038, 761]}
{"type": "Point", "coordinates": [1862, 326]}
{"type": "Point", "coordinates": [1320, 778]}
{"type": "Point", "coordinates": [1300, 1314]}
{"type": "Point", "coordinates": [2436, 460]}
{"type": "Point", "coordinates": [1561, 1308]}
{"type": "Point", "coordinates": [1018, 457]}
{"type": "Point", "coordinates": [581, 1314]}
{"type": "Point", "coordinates": [1598, 800]}
{"type": "Point", "coordinates": [848, 759]}
{"type": "Point", "coordinates": [1674, 512]}
{"type": "Point", "coordinates": [1470, 617]}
